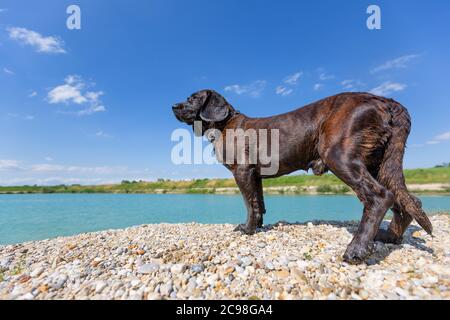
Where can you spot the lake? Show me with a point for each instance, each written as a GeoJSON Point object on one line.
{"type": "Point", "coordinates": [43, 216]}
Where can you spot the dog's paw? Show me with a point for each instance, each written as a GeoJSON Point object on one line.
{"type": "Point", "coordinates": [356, 254]}
{"type": "Point", "coordinates": [243, 228]}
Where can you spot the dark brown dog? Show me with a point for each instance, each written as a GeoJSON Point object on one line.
{"type": "Point", "coordinates": [359, 137]}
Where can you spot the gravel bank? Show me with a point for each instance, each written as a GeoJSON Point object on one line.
{"type": "Point", "coordinates": [194, 261]}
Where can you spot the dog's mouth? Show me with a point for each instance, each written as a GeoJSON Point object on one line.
{"type": "Point", "coordinates": [185, 113]}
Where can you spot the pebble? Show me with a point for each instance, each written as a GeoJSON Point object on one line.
{"type": "Point", "coordinates": [148, 268]}
{"type": "Point", "coordinates": [57, 280]}
{"type": "Point", "coordinates": [199, 261]}
{"type": "Point", "coordinates": [261, 245]}
{"type": "Point", "coordinates": [178, 268]}
{"type": "Point", "coordinates": [5, 263]}
{"type": "Point", "coordinates": [101, 285]}
{"type": "Point", "coordinates": [166, 289]}
{"type": "Point", "coordinates": [135, 282]}
{"type": "Point", "coordinates": [197, 268]}
{"type": "Point", "coordinates": [37, 272]}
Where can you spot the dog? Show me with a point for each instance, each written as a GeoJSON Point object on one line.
{"type": "Point", "coordinates": [359, 137]}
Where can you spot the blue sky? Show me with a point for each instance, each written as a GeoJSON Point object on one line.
{"type": "Point", "coordinates": [93, 105]}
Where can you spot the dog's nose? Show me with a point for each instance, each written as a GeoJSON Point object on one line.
{"type": "Point", "coordinates": [176, 106]}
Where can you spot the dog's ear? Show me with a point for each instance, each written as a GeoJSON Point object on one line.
{"type": "Point", "coordinates": [215, 109]}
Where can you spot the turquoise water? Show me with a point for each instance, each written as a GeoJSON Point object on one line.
{"type": "Point", "coordinates": [37, 217]}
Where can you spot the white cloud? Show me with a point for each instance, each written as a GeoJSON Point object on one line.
{"type": "Point", "coordinates": [33, 94]}
{"type": "Point", "coordinates": [105, 170]}
{"type": "Point", "coordinates": [9, 165]}
{"type": "Point", "coordinates": [352, 85]}
{"type": "Point", "coordinates": [293, 79]}
{"type": "Point", "coordinates": [288, 83]}
{"type": "Point", "coordinates": [323, 75]}
{"type": "Point", "coordinates": [73, 92]}
{"type": "Point", "coordinates": [52, 181]}
{"type": "Point", "coordinates": [318, 86]}
{"type": "Point", "coordinates": [102, 134]}
{"type": "Point", "coordinates": [14, 172]}
{"type": "Point", "coordinates": [397, 63]}
{"type": "Point", "coordinates": [34, 39]}
{"type": "Point", "coordinates": [283, 91]}
{"type": "Point", "coordinates": [91, 110]}
{"type": "Point", "coordinates": [7, 71]}
{"type": "Point", "coordinates": [253, 89]}
{"type": "Point", "coordinates": [443, 136]}
{"type": "Point", "coordinates": [20, 116]}
{"type": "Point", "coordinates": [439, 138]}
{"type": "Point", "coordinates": [387, 88]}
{"type": "Point", "coordinates": [70, 92]}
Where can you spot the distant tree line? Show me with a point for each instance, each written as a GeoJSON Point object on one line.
{"type": "Point", "coordinates": [443, 165]}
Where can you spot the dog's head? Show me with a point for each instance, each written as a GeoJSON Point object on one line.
{"type": "Point", "coordinates": [206, 106]}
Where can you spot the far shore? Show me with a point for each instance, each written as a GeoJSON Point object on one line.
{"type": "Point", "coordinates": [421, 181]}
{"type": "Point", "coordinates": [425, 189]}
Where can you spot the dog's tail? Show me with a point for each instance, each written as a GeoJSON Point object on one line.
{"type": "Point", "coordinates": [391, 168]}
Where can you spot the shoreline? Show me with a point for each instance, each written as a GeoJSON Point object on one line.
{"type": "Point", "coordinates": [201, 261]}
{"type": "Point", "coordinates": [425, 189]}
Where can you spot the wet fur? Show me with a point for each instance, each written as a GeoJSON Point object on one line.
{"type": "Point", "coordinates": [359, 137]}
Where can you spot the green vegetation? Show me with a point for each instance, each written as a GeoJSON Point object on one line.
{"type": "Point", "coordinates": [327, 183]}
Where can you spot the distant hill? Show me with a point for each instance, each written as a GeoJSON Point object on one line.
{"type": "Point", "coordinates": [427, 180]}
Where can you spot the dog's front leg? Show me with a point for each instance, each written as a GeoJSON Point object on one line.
{"type": "Point", "coordinates": [250, 185]}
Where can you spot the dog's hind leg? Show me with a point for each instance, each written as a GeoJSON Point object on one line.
{"type": "Point", "coordinates": [375, 198]}
{"type": "Point", "coordinates": [399, 223]}
{"type": "Point", "coordinates": [390, 174]}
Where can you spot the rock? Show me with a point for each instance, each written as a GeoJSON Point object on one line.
{"type": "Point", "coordinates": [154, 296]}
{"type": "Point", "coordinates": [124, 272]}
{"type": "Point", "coordinates": [228, 269]}
{"type": "Point", "coordinates": [302, 264]}
{"type": "Point", "coordinates": [166, 288]}
{"type": "Point", "coordinates": [364, 294]}
{"type": "Point", "coordinates": [27, 296]}
{"type": "Point", "coordinates": [37, 272]}
{"type": "Point", "coordinates": [261, 245]}
{"type": "Point", "coordinates": [136, 296]}
{"type": "Point", "coordinates": [282, 274]}
{"type": "Point", "coordinates": [16, 292]}
{"type": "Point", "coordinates": [211, 280]}
{"type": "Point", "coordinates": [100, 286]}
{"type": "Point", "coordinates": [148, 268]}
{"type": "Point", "coordinates": [197, 268]}
{"type": "Point", "coordinates": [269, 265]}
{"type": "Point", "coordinates": [246, 261]}
{"type": "Point", "coordinates": [57, 280]}
{"type": "Point", "coordinates": [178, 268]}
{"type": "Point", "coordinates": [119, 251]}
{"type": "Point", "coordinates": [119, 293]}
{"type": "Point", "coordinates": [5, 263]}
{"type": "Point", "coordinates": [283, 260]}
{"type": "Point", "coordinates": [135, 282]}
